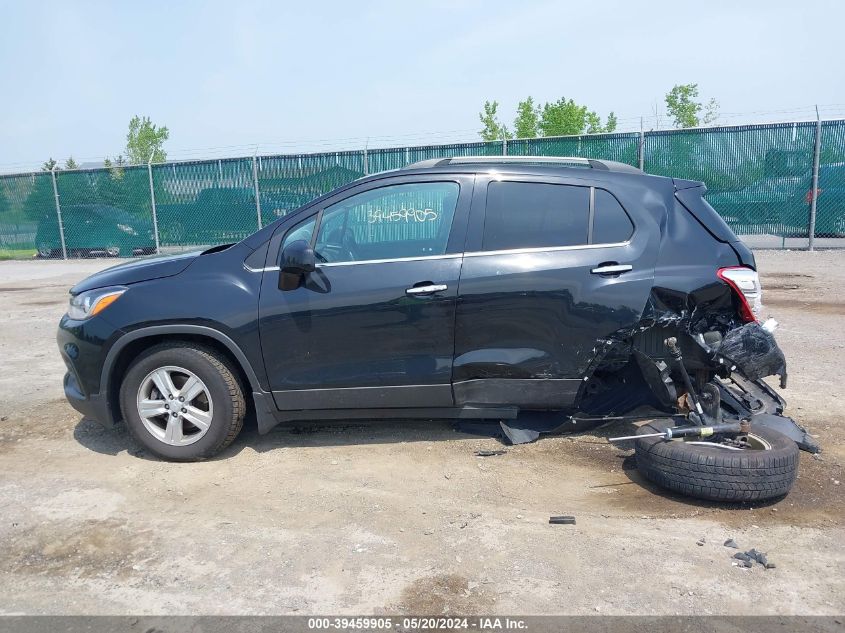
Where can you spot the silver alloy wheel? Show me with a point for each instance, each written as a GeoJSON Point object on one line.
{"type": "Point", "coordinates": [754, 441]}
{"type": "Point", "coordinates": [175, 405]}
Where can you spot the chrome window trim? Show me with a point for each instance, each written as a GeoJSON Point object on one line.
{"type": "Point", "coordinates": [388, 261]}
{"type": "Point", "coordinates": [513, 251]}
{"type": "Point", "coordinates": [546, 249]}
{"type": "Point", "coordinates": [260, 270]}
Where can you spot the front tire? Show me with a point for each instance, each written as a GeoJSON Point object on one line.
{"type": "Point", "coordinates": [182, 401]}
{"type": "Point", "coordinates": [719, 474]}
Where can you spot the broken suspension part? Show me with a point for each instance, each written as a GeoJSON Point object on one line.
{"type": "Point", "coordinates": [689, 431]}
{"type": "Point", "coordinates": [675, 352]}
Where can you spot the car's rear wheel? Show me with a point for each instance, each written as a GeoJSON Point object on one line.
{"type": "Point", "coordinates": [766, 468]}
{"type": "Point", "coordinates": [182, 401]}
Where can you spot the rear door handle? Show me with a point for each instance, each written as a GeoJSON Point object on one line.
{"type": "Point", "coordinates": [612, 269]}
{"type": "Point", "coordinates": [429, 289]}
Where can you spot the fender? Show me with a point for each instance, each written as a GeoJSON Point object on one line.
{"type": "Point", "coordinates": [264, 414]}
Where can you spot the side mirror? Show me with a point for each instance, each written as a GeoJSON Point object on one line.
{"type": "Point", "coordinates": [297, 259]}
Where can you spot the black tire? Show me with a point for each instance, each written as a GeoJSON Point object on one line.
{"type": "Point", "coordinates": [215, 370]}
{"type": "Point", "coordinates": [718, 474]}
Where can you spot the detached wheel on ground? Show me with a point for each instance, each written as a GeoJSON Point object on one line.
{"type": "Point", "coordinates": [182, 401]}
{"type": "Point", "coordinates": [765, 470]}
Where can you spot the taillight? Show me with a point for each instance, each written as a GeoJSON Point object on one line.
{"type": "Point", "coordinates": [746, 284]}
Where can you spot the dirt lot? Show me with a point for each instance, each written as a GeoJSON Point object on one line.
{"type": "Point", "coordinates": [401, 518]}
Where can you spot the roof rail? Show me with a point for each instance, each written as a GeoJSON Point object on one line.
{"type": "Point", "coordinates": [559, 161]}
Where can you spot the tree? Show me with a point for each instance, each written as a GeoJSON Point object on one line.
{"type": "Point", "coordinates": [115, 166]}
{"type": "Point", "coordinates": [527, 121]}
{"type": "Point", "coordinates": [70, 163]}
{"type": "Point", "coordinates": [685, 110]}
{"type": "Point", "coordinates": [49, 164]}
{"type": "Point", "coordinates": [594, 124]}
{"type": "Point", "coordinates": [565, 117]}
{"type": "Point", "coordinates": [493, 130]}
{"type": "Point", "coordinates": [145, 140]}
{"type": "Point", "coordinates": [711, 112]}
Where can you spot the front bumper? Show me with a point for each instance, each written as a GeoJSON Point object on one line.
{"type": "Point", "coordinates": [83, 346]}
{"type": "Point", "coordinates": [93, 407]}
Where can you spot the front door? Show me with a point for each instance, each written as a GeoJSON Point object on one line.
{"type": "Point", "coordinates": [553, 270]}
{"type": "Point", "coordinates": [373, 326]}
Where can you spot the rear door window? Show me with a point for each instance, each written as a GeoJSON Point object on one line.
{"type": "Point", "coordinates": [535, 215]}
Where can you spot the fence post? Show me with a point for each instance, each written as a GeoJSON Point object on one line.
{"type": "Point", "coordinates": [153, 201]}
{"type": "Point", "coordinates": [59, 213]}
{"type": "Point", "coordinates": [815, 189]}
{"type": "Point", "coordinates": [255, 184]}
{"type": "Point", "coordinates": [504, 144]}
{"type": "Point", "coordinates": [642, 146]}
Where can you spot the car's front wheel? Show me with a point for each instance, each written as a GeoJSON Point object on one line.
{"type": "Point", "coordinates": [182, 401]}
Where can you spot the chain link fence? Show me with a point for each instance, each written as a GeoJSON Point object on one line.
{"type": "Point", "coordinates": [760, 178]}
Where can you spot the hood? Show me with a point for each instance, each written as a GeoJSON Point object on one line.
{"type": "Point", "coordinates": [132, 272]}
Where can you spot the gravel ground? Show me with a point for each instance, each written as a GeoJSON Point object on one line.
{"type": "Point", "coordinates": [401, 518]}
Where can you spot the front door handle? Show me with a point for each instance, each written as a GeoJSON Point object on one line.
{"type": "Point", "coordinates": [429, 289]}
{"type": "Point", "coordinates": [612, 269]}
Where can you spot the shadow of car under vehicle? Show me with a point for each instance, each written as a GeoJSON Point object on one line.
{"type": "Point", "coordinates": [96, 438]}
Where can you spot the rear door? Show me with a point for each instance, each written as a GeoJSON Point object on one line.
{"type": "Point", "coordinates": [373, 326]}
{"type": "Point", "coordinates": [553, 269]}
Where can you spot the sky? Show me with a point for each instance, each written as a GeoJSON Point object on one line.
{"type": "Point", "coordinates": [231, 78]}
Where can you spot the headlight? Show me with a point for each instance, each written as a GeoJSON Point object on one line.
{"type": "Point", "coordinates": [87, 304]}
{"type": "Point", "coordinates": [127, 229]}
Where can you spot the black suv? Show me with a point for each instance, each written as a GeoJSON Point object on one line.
{"type": "Point", "coordinates": [463, 288]}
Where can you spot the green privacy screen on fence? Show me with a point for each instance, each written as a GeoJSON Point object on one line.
{"type": "Point", "coordinates": [27, 203]}
{"type": "Point", "coordinates": [759, 178]}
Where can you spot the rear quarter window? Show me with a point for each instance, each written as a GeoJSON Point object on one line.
{"type": "Point", "coordinates": [611, 223]}
{"type": "Point", "coordinates": [693, 201]}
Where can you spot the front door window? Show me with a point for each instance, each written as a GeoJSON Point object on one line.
{"type": "Point", "coordinates": [395, 222]}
